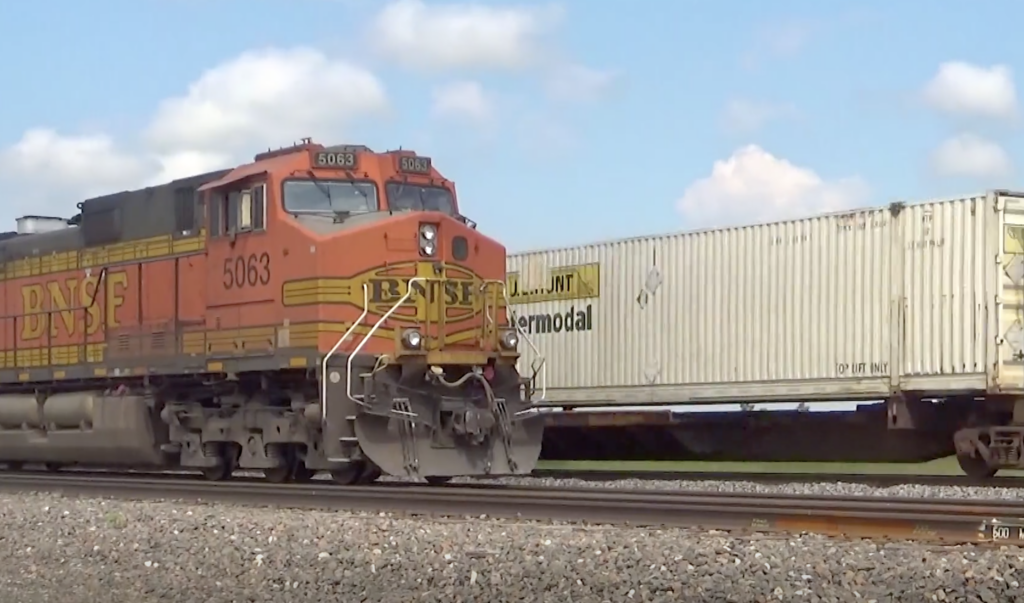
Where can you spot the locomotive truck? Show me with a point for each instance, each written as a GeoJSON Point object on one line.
{"type": "Point", "coordinates": [323, 308]}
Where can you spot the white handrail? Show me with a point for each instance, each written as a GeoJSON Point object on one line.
{"type": "Point", "coordinates": [526, 338]}
{"type": "Point", "coordinates": [510, 316]}
{"type": "Point", "coordinates": [373, 330]}
{"type": "Point", "coordinates": [323, 371]}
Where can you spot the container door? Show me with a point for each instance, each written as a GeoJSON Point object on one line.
{"type": "Point", "coordinates": [1009, 298]}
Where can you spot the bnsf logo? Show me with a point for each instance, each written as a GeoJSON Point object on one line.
{"type": "Point", "coordinates": [458, 294]}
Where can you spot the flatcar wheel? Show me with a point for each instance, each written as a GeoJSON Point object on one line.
{"type": "Point", "coordinates": [53, 467]}
{"type": "Point", "coordinates": [15, 466]}
{"type": "Point", "coordinates": [349, 475]}
{"type": "Point", "coordinates": [975, 466]}
{"type": "Point", "coordinates": [438, 480]}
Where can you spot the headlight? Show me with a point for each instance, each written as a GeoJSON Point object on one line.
{"type": "Point", "coordinates": [412, 339]}
{"type": "Point", "coordinates": [510, 340]}
{"type": "Point", "coordinates": [428, 239]}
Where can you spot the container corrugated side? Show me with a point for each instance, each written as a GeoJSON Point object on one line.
{"type": "Point", "coordinates": [842, 306]}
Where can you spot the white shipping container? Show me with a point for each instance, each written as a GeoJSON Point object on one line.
{"type": "Point", "coordinates": [921, 297]}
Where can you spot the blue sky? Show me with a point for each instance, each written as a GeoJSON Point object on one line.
{"type": "Point", "coordinates": [563, 122]}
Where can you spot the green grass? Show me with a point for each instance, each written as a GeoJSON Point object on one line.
{"type": "Point", "coordinates": [945, 466]}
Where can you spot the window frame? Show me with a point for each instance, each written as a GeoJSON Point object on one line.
{"type": "Point", "coordinates": [284, 183]}
{"type": "Point", "coordinates": [454, 211]}
{"type": "Point", "coordinates": [227, 206]}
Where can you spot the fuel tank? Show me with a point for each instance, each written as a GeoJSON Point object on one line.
{"type": "Point", "coordinates": [88, 428]}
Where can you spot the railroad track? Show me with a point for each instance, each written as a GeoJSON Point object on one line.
{"type": "Point", "coordinates": [870, 479]}
{"type": "Point", "coordinates": [939, 520]}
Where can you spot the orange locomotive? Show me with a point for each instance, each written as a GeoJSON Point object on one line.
{"type": "Point", "coordinates": [319, 309]}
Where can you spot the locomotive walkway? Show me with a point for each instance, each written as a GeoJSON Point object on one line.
{"type": "Point", "coordinates": [938, 520]}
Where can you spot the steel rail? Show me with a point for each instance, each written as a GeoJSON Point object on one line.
{"type": "Point", "coordinates": [870, 479]}
{"type": "Point", "coordinates": [940, 520]}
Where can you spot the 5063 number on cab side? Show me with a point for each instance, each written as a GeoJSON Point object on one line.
{"type": "Point", "coordinates": [247, 271]}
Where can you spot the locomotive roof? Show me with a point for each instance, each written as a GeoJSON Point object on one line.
{"type": "Point", "coordinates": [109, 219]}
{"type": "Point", "coordinates": [142, 213]}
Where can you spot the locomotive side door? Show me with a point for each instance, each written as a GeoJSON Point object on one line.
{"type": "Point", "coordinates": [238, 264]}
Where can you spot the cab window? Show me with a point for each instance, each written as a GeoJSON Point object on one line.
{"type": "Point", "coordinates": [238, 210]}
{"type": "Point", "coordinates": [329, 197]}
{"type": "Point", "coordinates": [405, 196]}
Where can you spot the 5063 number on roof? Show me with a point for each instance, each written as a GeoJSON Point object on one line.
{"type": "Point", "coordinates": [340, 159]}
{"type": "Point", "coordinates": [414, 165]}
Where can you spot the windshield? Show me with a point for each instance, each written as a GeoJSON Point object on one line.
{"type": "Point", "coordinates": [415, 197]}
{"type": "Point", "coordinates": [329, 196]}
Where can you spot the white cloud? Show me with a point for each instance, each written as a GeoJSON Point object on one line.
{"type": "Point", "coordinates": [745, 116]}
{"type": "Point", "coordinates": [576, 82]}
{"type": "Point", "coordinates": [462, 100]}
{"type": "Point", "coordinates": [267, 97]}
{"type": "Point", "coordinates": [753, 185]}
{"type": "Point", "coordinates": [54, 172]}
{"type": "Point", "coordinates": [972, 156]}
{"type": "Point", "coordinates": [461, 36]}
{"type": "Point", "coordinates": [261, 99]}
{"type": "Point", "coordinates": [177, 164]}
{"type": "Point", "coordinates": [961, 88]}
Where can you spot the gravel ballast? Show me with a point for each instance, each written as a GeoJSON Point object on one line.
{"type": "Point", "coordinates": [807, 489]}
{"type": "Point", "coordinates": [73, 550]}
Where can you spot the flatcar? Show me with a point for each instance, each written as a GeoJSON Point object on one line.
{"type": "Point", "coordinates": [320, 309]}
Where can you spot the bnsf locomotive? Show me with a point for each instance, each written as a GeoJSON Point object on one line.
{"type": "Point", "coordinates": [319, 309]}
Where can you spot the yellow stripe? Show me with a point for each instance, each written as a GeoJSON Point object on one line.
{"type": "Point", "coordinates": [318, 291]}
{"type": "Point", "coordinates": [200, 343]}
{"type": "Point", "coordinates": [152, 248]}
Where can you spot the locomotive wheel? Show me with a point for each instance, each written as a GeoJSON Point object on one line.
{"type": "Point", "coordinates": [370, 474]}
{"type": "Point", "coordinates": [228, 459]}
{"type": "Point", "coordinates": [217, 474]}
{"type": "Point", "coordinates": [278, 475]}
{"type": "Point", "coordinates": [975, 467]}
{"type": "Point", "coordinates": [282, 474]}
{"type": "Point", "coordinates": [301, 473]}
{"type": "Point", "coordinates": [15, 466]}
{"type": "Point", "coordinates": [53, 467]}
{"type": "Point", "coordinates": [350, 475]}
{"type": "Point", "coordinates": [438, 480]}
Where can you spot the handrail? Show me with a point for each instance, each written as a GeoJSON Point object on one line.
{"type": "Point", "coordinates": [543, 369]}
{"type": "Point", "coordinates": [323, 375]}
{"type": "Point", "coordinates": [515, 325]}
{"type": "Point", "coordinates": [387, 315]}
